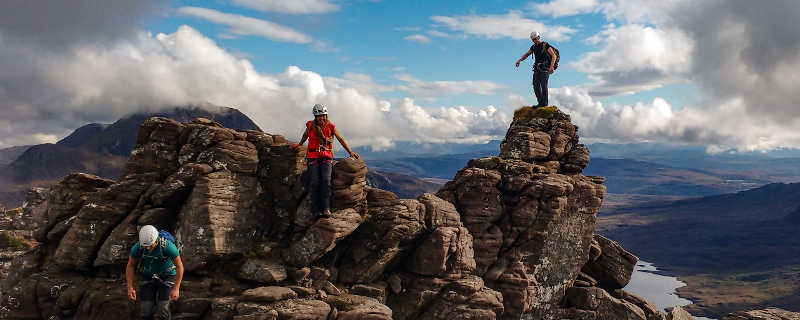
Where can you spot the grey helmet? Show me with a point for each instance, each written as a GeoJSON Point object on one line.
{"type": "Point", "coordinates": [534, 35]}
{"type": "Point", "coordinates": [319, 109]}
{"type": "Point", "coordinates": [148, 235]}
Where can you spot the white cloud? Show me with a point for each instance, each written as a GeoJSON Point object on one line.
{"type": "Point", "coordinates": [635, 58]}
{"type": "Point", "coordinates": [290, 6]}
{"type": "Point", "coordinates": [246, 26]}
{"type": "Point", "coordinates": [511, 25]}
{"type": "Point", "coordinates": [721, 127]}
{"type": "Point", "coordinates": [560, 8]}
{"type": "Point", "coordinates": [418, 38]}
{"type": "Point", "coordinates": [432, 90]}
{"type": "Point", "coordinates": [102, 83]}
{"type": "Point", "coordinates": [440, 34]}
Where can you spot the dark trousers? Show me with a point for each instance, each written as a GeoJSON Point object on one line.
{"type": "Point", "coordinates": [540, 86]}
{"type": "Point", "coordinates": [154, 291]}
{"type": "Point", "coordinates": [319, 172]}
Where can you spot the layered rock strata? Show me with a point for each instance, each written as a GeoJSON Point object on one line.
{"type": "Point", "coordinates": [510, 237]}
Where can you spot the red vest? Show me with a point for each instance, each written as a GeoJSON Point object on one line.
{"type": "Point", "coordinates": [313, 141]}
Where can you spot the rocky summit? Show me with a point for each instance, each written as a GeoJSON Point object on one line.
{"type": "Point", "coordinates": [510, 237]}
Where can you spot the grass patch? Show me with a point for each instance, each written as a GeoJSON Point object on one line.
{"type": "Point", "coordinates": [9, 242]}
{"type": "Point", "coordinates": [14, 212]}
{"type": "Point", "coordinates": [343, 306]}
{"type": "Point", "coordinates": [527, 113]}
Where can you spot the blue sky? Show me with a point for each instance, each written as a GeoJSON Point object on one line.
{"type": "Point", "coordinates": [718, 73]}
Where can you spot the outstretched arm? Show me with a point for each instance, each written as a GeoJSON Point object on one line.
{"type": "Point", "coordinates": [178, 277]}
{"type": "Point", "coordinates": [302, 141]}
{"type": "Point", "coordinates": [129, 277]}
{"type": "Point", "coordinates": [344, 144]}
{"type": "Point", "coordinates": [524, 56]}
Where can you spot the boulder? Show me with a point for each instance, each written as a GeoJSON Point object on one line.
{"type": "Point", "coordinates": [267, 294]}
{"type": "Point", "coordinates": [262, 271]}
{"type": "Point", "coordinates": [613, 267]}
{"type": "Point", "coordinates": [763, 314]}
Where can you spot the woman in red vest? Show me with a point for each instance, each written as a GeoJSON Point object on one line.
{"type": "Point", "coordinates": [320, 133]}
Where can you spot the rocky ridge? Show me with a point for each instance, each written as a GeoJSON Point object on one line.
{"type": "Point", "coordinates": [510, 237]}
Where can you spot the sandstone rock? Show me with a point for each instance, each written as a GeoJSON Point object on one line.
{"type": "Point", "coordinates": [377, 290]}
{"type": "Point", "coordinates": [445, 250]}
{"type": "Point", "coordinates": [223, 308]}
{"type": "Point", "coordinates": [646, 306]}
{"type": "Point", "coordinates": [387, 231]}
{"type": "Point", "coordinates": [218, 219]}
{"type": "Point", "coordinates": [262, 271]}
{"type": "Point", "coordinates": [65, 199]}
{"type": "Point", "coordinates": [292, 309]}
{"type": "Point", "coordinates": [678, 313]}
{"type": "Point", "coordinates": [764, 314]}
{"type": "Point", "coordinates": [267, 294]}
{"type": "Point", "coordinates": [408, 303]}
{"type": "Point", "coordinates": [322, 237]}
{"type": "Point", "coordinates": [102, 212]}
{"type": "Point", "coordinates": [353, 307]}
{"type": "Point", "coordinates": [584, 298]}
{"type": "Point", "coordinates": [613, 268]}
{"type": "Point", "coordinates": [466, 299]}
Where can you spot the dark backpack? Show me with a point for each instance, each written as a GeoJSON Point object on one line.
{"type": "Point", "coordinates": [163, 237]}
{"type": "Point", "coordinates": [558, 56]}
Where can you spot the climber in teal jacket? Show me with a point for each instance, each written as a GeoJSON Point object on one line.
{"type": "Point", "coordinates": [162, 272]}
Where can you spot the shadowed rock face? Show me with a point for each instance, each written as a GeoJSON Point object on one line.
{"type": "Point", "coordinates": [510, 237]}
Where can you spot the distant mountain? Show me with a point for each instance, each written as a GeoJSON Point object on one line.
{"type": "Point", "coordinates": [404, 149]}
{"type": "Point", "coordinates": [736, 241]}
{"type": "Point", "coordinates": [8, 155]}
{"type": "Point", "coordinates": [97, 149]}
{"type": "Point", "coordinates": [404, 186]}
{"type": "Point", "coordinates": [624, 176]}
{"type": "Point", "coordinates": [721, 232]}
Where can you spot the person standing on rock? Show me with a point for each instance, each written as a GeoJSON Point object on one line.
{"type": "Point", "coordinates": [162, 272]}
{"type": "Point", "coordinates": [320, 133]}
{"type": "Point", "coordinates": [543, 66]}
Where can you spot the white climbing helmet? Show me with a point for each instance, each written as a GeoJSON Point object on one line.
{"type": "Point", "coordinates": [320, 109]}
{"type": "Point", "coordinates": [534, 35]}
{"type": "Point", "coordinates": [148, 235]}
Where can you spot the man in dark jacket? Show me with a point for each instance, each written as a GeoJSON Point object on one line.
{"type": "Point", "coordinates": [543, 64]}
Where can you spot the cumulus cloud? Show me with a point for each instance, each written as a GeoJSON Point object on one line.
{"type": "Point", "coordinates": [721, 127]}
{"type": "Point", "coordinates": [43, 96]}
{"type": "Point", "coordinates": [418, 38]}
{"type": "Point", "coordinates": [512, 25]}
{"type": "Point", "coordinates": [635, 58]}
{"type": "Point", "coordinates": [247, 26]}
{"type": "Point", "coordinates": [433, 89]}
{"type": "Point", "coordinates": [290, 6]}
{"type": "Point", "coordinates": [560, 8]}
{"type": "Point", "coordinates": [58, 24]}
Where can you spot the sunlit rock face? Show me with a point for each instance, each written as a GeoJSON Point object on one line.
{"type": "Point", "coordinates": [510, 237]}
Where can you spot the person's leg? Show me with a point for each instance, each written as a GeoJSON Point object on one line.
{"type": "Point", "coordinates": [147, 296]}
{"type": "Point", "coordinates": [544, 77]}
{"type": "Point", "coordinates": [313, 175]}
{"type": "Point", "coordinates": [162, 303]}
{"type": "Point", "coordinates": [537, 87]}
{"type": "Point", "coordinates": [325, 171]}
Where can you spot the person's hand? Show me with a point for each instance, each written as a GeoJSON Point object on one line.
{"type": "Point", "coordinates": [517, 64]}
{"type": "Point", "coordinates": [131, 293]}
{"type": "Point", "coordinates": [550, 71]}
{"type": "Point", "coordinates": [174, 294]}
{"type": "Point", "coordinates": [294, 145]}
{"type": "Point", "coordinates": [355, 155]}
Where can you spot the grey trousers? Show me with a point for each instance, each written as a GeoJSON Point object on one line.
{"type": "Point", "coordinates": [154, 292]}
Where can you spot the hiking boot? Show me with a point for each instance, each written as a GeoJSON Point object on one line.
{"type": "Point", "coordinates": [326, 213]}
